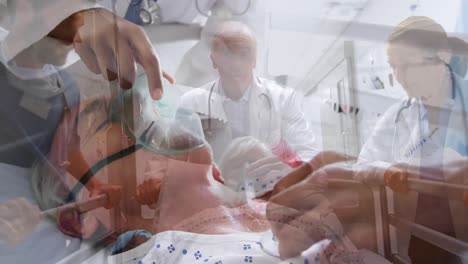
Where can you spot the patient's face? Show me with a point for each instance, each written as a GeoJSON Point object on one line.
{"type": "Point", "coordinates": [112, 140]}
{"type": "Point", "coordinates": [143, 163]}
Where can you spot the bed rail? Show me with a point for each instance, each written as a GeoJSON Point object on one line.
{"type": "Point", "coordinates": [353, 203]}
{"type": "Point", "coordinates": [439, 189]}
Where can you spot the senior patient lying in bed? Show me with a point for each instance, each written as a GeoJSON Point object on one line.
{"type": "Point", "coordinates": [224, 234]}
{"type": "Point", "coordinates": [197, 218]}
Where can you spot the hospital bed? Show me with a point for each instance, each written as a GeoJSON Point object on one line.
{"type": "Point", "coordinates": [46, 243]}
{"type": "Point", "coordinates": [355, 212]}
{"type": "Point", "coordinates": [355, 205]}
{"type": "Point", "coordinates": [353, 202]}
{"type": "Point", "coordinates": [439, 189]}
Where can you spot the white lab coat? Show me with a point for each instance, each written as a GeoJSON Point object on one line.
{"type": "Point", "coordinates": [271, 120]}
{"type": "Point", "coordinates": [377, 155]}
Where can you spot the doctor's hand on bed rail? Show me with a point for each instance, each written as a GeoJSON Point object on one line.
{"type": "Point", "coordinates": [18, 218]}
{"type": "Point", "coordinates": [112, 46]}
{"type": "Point", "coordinates": [294, 211]}
{"type": "Point", "coordinates": [320, 160]}
{"type": "Point", "coordinates": [396, 177]}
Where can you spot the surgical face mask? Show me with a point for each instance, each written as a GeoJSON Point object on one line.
{"type": "Point", "coordinates": [159, 126]}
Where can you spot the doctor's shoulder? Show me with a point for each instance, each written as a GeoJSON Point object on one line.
{"type": "Point", "coordinates": [392, 111]}
{"type": "Point", "coordinates": [195, 100]}
{"type": "Point", "coordinates": [385, 124]}
{"type": "Point", "coordinates": [194, 94]}
{"type": "Point", "coordinates": [279, 93]}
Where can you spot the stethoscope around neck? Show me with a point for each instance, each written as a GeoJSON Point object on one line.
{"type": "Point", "coordinates": [210, 130]}
{"type": "Point", "coordinates": [146, 12]}
{"type": "Point", "coordinates": [410, 101]}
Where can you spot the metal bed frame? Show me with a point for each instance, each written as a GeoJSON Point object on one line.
{"type": "Point", "coordinates": [448, 243]}
{"type": "Point", "coordinates": [358, 212]}
{"type": "Point", "coordinates": [364, 212]}
{"type": "Point", "coordinates": [361, 211]}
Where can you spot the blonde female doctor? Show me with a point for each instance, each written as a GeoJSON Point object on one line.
{"type": "Point", "coordinates": [420, 131]}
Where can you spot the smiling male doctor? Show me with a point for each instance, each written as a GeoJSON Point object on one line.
{"type": "Point", "coordinates": [240, 104]}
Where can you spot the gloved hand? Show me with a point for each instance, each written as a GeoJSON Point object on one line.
{"type": "Point", "coordinates": [396, 177]}
{"type": "Point", "coordinates": [17, 219]}
{"type": "Point", "coordinates": [112, 46]}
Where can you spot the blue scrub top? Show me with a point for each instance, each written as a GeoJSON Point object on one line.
{"type": "Point", "coordinates": [24, 135]}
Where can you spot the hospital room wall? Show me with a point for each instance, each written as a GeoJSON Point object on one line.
{"type": "Point", "coordinates": [371, 63]}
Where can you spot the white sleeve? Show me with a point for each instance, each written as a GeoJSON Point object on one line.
{"type": "Point", "coordinates": [376, 154]}
{"type": "Point", "coordinates": [296, 129]}
{"type": "Point", "coordinates": [31, 20]}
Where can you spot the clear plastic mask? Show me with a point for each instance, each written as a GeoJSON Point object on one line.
{"type": "Point", "coordinates": [160, 126]}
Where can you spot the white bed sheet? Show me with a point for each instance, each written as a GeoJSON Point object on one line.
{"type": "Point", "coordinates": [46, 244]}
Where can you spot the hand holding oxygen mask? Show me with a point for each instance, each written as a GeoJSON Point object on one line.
{"type": "Point", "coordinates": [112, 46]}
{"type": "Point", "coordinates": [159, 127]}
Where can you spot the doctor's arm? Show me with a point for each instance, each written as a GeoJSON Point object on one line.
{"type": "Point", "coordinates": [79, 166]}
{"type": "Point", "coordinates": [375, 157]}
{"type": "Point", "coordinates": [66, 152]}
{"type": "Point", "coordinates": [112, 46]}
{"type": "Point", "coordinates": [107, 44]}
{"type": "Point", "coordinates": [296, 130]}
{"type": "Point", "coordinates": [396, 177]}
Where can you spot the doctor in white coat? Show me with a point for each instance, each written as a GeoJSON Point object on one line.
{"type": "Point", "coordinates": [419, 132]}
{"type": "Point", "coordinates": [195, 70]}
{"type": "Point", "coordinates": [241, 104]}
